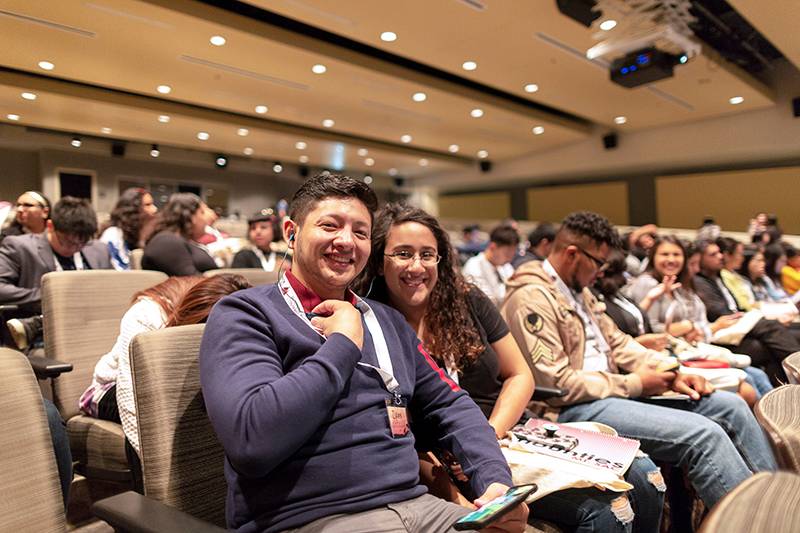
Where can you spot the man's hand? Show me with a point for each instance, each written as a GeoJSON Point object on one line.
{"type": "Point", "coordinates": [655, 383]}
{"type": "Point", "coordinates": [694, 386]}
{"type": "Point", "coordinates": [725, 321]}
{"type": "Point", "coordinates": [338, 316]}
{"type": "Point", "coordinates": [653, 341]}
{"type": "Point", "coordinates": [513, 521]}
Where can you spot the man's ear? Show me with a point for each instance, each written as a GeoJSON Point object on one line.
{"type": "Point", "coordinates": [289, 232]}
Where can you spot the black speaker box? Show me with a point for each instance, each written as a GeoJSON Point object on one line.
{"type": "Point", "coordinates": [610, 141]}
{"type": "Point", "coordinates": [399, 182]}
{"type": "Point", "coordinates": [303, 170]}
{"type": "Point", "coordinates": [118, 149]}
{"type": "Point", "coordinates": [796, 106]}
{"type": "Point", "coordinates": [486, 166]}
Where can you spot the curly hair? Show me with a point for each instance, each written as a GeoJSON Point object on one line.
{"type": "Point", "coordinates": [177, 214]}
{"type": "Point", "coordinates": [127, 215]}
{"type": "Point", "coordinates": [591, 226]}
{"type": "Point", "coordinates": [451, 333]}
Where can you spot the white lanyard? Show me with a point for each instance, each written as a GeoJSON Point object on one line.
{"type": "Point", "coordinates": [379, 341]}
{"type": "Point", "coordinates": [76, 258]}
{"type": "Point", "coordinates": [266, 264]}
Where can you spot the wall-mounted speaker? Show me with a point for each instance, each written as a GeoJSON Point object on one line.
{"type": "Point", "coordinates": [610, 141]}
{"type": "Point", "coordinates": [486, 166]}
{"type": "Point", "coordinates": [796, 106]}
{"type": "Point", "coordinates": [118, 149]}
{"type": "Point", "coordinates": [303, 170]}
{"type": "Point", "coordinates": [399, 182]}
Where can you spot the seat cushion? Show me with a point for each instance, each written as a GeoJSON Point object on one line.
{"type": "Point", "coordinates": [97, 444]}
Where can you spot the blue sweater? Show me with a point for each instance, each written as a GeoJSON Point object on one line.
{"type": "Point", "coordinates": [305, 428]}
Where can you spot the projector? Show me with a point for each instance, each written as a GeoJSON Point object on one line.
{"type": "Point", "coordinates": [644, 66]}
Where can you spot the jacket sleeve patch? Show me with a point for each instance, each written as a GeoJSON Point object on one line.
{"type": "Point", "coordinates": [533, 323]}
{"type": "Point", "coordinates": [541, 350]}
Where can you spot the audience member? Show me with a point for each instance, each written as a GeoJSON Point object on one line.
{"type": "Point", "coordinates": [294, 360]}
{"type": "Point", "coordinates": [490, 269]}
{"type": "Point", "coordinates": [412, 268]}
{"type": "Point", "coordinates": [790, 273]}
{"type": "Point", "coordinates": [130, 219]}
{"type": "Point", "coordinates": [172, 248]}
{"type": "Point", "coordinates": [540, 242]}
{"type": "Point", "coordinates": [638, 242]}
{"type": "Point", "coordinates": [261, 234]}
{"type": "Point", "coordinates": [758, 228]}
{"type": "Point", "coordinates": [709, 230]}
{"type": "Point", "coordinates": [572, 344]}
{"type": "Point", "coordinates": [775, 259]}
{"type": "Point", "coordinates": [471, 243]}
{"type": "Point", "coordinates": [32, 212]}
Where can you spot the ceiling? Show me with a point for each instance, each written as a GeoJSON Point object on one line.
{"type": "Point", "coordinates": [111, 55]}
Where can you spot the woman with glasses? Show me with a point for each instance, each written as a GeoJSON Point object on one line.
{"type": "Point", "coordinates": [32, 212]}
{"type": "Point", "coordinates": [412, 267]}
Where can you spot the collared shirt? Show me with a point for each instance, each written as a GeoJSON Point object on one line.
{"type": "Point", "coordinates": [596, 349]}
{"type": "Point", "coordinates": [308, 298]}
{"type": "Point", "coordinates": [487, 277]}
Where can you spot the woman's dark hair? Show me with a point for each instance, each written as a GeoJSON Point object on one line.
{"type": "Point", "coordinates": [683, 276]}
{"type": "Point", "coordinates": [772, 254]}
{"type": "Point", "coordinates": [750, 251]}
{"type": "Point", "coordinates": [177, 214]}
{"type": "Point", "coordinates": [613, 278]}
{"type": "Point", "coordinates": [127, 215]}
{"type": "Point", "coordinates": [329, 185]}
{"type": "Point", "coordinates": [450, 330]}
{"type": "Point", "coordinates": [196, 305]}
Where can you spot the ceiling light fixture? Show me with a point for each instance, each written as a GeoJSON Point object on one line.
{"type": "Point", "coordinates": [303, 159]}
{"type": "Point", "coordinates": [531, 88]}
{"type": "Point", "coordinates": [537, 130]}
{"type": "Point", "coordinates": [46, 65]}
{"type": "Point", "coordinates": [154, 151]}
{"type": "Point", "coordinates": [368, 179]}
{"type": "Point", "coordinates": [620, 120]}
{"type": "Point", "coordinates": [300, 145]}
{"type": "Point", "coordinates": [389, 36]}
{"type": "Point", "coordinates": [203, 135]}
{"type": "Point", "coordinates": [469, 65]}
{"type": "Point", "coordinates": [362, 152]}
{"type": "Point", "coordinates": [453, 148]}
{"type": "Point", "coordinates": [736, 100]}
{"type": "Point", "coordinates": [328, 123]}
{"type": "Point", "coordinates": [419, 97]}
{"type": "Point", "coordinates": [608, 24]}
{"type": "Point", "coordinates": [105, 130]}
{"type": "Point", "coordinates": [393, 171]}
{"type": "Point", "coordinates": [164, 89]}
{"type": "Point", "coordinates": [406, 138]}
{"type": "Point", "coordinates": [217, 40]}
{"type": "Point", "coordinates": [476, 113]}
{"type": "Point", "coordinates": [277, 168]}
{"type": "Point", "coordinates": [163, 118]}
{"type": "Point", "coordinates": [248, 150]}
{"type": "Point", "coordinates": [221, 161]}
{"type": "Point", "coordinates": [12, 116]}
{"type": "Point", "coordinates": [369, 161]}
{"type": "Point", "coordinates": [28, 96]}
{"type": "Point", "coordinates": [261, 109]}
{"type": "Point", "coordinates": [76, 142]}
{"type": "Point", "coordinates": [483, 154]}
{"type": "Point", "coordinates": [423, 162]}
{"type": "Point", "coordinates": [242, 132]}
{"type": "Point", "coordinates": [319, 69]}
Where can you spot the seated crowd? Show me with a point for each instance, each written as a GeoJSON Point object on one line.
{"type": "Point", "coordinates": [373, 387]}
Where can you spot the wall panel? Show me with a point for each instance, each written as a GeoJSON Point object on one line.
{"type": "Point", "coordinates": [551, 204]}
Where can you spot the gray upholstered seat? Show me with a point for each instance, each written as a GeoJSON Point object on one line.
{"type": "Point", "coordinates": [791, 365]}
{"type": "Point", "coordinates": [82, 312]}
{"type": "Point", "coordinates": [31, 496]}
{"type": "Point", "coordinates": [778, 414]}
{"type": "Point", "coordinates": [255, 276]}
{"type": "Point", "coordinates": [765, 503]}
{"type": "Point", "coordinates": [182, 460]}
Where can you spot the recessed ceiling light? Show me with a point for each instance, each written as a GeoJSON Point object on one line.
{"type": "Point", "coordinates": [369, 161]}
{"type": "Point", "coordinates": [362, 152]}
{"type": "Point", "coordinates": [453, 148]}
{"type": "Point", "coordinates": [537, 130]}
{"type": "Point", "coordinates": [469, 65]}
{"type": "Point", "coordinates": [319, 69]}
{"type": "Point", "coordinates": [221, 161]}
{"type": "Point", "coordinates": [531, 88]}
{"type": "Point", "coordinates": [261, 109]}
{"type": "Point", "coordinates": [303, 159]}
{"type": "Point", "coordinates": [608, 24]}
{"type": "Point", "coordinates": [300, 145]}
{"type": "Point", "coordinates": [46, 65]}
{"type": "Point", "coordinates": [419, 97]}
{"type": "Point", "coordinates": [406, 138]}
{"type": "Point", "coordinates": [248, 150]}
{"type": "Point", "coordinates": [28, 96]}
{"type": "Point", "coordinates": [154, 151]}
{"type": "Point", "coordinates": [277, 168]}
{"type": "Point", "coordinates": [736, 100]}
{"type": "Point", "coordinates": [203, 135]}
{"type": "Point", "coordinates": [423, 162]}
{"type": "Point", "coordinates": [164, 89]}
{"type": "Point", "coordinates": [217, 40]}
{"type": "Point", "coordinates": [620, 120]}
{"type": "Point", "coordinates": [388, 36]}
{"type": "Point", "coordinates": [483, 154]}
{"type": "Point", "coordinates": [105, 130]}
{"type": "Point", "coordinates": [242, 132]}
{"type": "Point", "coordinates": [328, 123]}
{"type": "Point", "coordinates": [76, 142]}
{"type": "Point", "coordinates": [393, 171]}
{"type": "Point", "coordinates": [163, 118]}
{"type": "Point", "coordinates": [367, 179]}
{"type": "Point", "coordinates": [12, 116]}
{"type": "Point", "coordinates": [476, 113]}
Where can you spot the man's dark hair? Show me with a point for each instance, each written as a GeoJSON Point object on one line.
{"type": "Point", "coordinates": [790, 250]}
{"type": "Point", "coordinates": [702, 245]}
{"type": "Point", "coordinates": [727, 245]}
{"type": "Point", "coordinates": [75, 217]}
{"type": "Point", "coordinates": [504, 236]}
{"type": "Point", "coordinates": [591, 226]}
{"type": "Point", "coordinates": [324, 186]}
{"type": "Point", "coordinates": [543, 231]}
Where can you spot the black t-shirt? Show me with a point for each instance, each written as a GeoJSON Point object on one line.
{"type": "Point", "coordinates": [170, 253]}
{"type": "Point", "coordinates": [482, 379]}
{"type": "Point", "coordinates": [68, 263]}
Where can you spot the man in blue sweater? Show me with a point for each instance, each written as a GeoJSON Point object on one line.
{"type": "Point", "coordinates": [311, 390]}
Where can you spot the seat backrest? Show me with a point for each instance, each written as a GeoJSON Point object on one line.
{"type": "Point", "coordinates": [791, 365]}
{"type": "Point", "coordinates": [778, 414]}
{"type": "Point", "coordinates": [255, 276]}
{"type": "Point", "coordinates": [764, 503]}
{"type": "Point", "coordinates": [31, 499]}
{"type": "Point", "coordinates": [136, 258]}
{"type": "Point", "coordinates": [182, 460]}
{"type": "Point", "coordinates": [82, 311]}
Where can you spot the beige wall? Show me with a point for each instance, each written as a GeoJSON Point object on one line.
{"type": "Point", "coordinates": [732, 198]}
{"type": "Point", "coordinates": [19, 172]}
{"type": "Point", "coordinates": [495, 205]}
{"type": "Point", "coordinates": [551, 204]}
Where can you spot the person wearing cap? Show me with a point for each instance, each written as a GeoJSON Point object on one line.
{"type": "Point", "coordinates": [32, 213]}
{"type": "Point", "coordinates": [261, 234]}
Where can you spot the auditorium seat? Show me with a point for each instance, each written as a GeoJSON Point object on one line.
{"type": "Point", "coordinates": [82, 312]}
{"type": "Point", "coordinates": [765, 503]}
{"type": "Point", "coordinates": [255, 276]}
{"type": "Point", "coordinates": [791, 365]}
{"type": "Point", "coordinates": [778, 414]}
{"type": "Point", "coordinates": [136, 258]}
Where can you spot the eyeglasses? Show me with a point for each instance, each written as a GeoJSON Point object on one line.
{"type": "Point", "coordinates": [72, 242]}
{"type": "Point", "coordinates": [598, 263]}
{"type": "Point", "coordinates": [406, 258]}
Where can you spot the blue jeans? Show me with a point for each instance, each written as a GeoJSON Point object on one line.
{"type": "Point", "coordinates": [715, 439]}
{"type": "Point", "coordinates": [588, 510]}
{"type": "Point", "coordinates": [759, 380]}
{"type": "Point", "coordinates": [58, 434]}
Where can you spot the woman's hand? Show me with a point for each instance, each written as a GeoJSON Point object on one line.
{"type": "Point", "coordinates": [664, 288]}
{"type": "Point", "coordinates": [725, 321]}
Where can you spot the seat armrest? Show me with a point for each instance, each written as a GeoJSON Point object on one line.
{"type": "Point", "coordinates": [133, 513]}
{"type": "Point", "coordinates": [45, 368]}
{"type": "Point", "coordinates": [544, 393]}
{"type": "Point", "coordinates": [4, 308]}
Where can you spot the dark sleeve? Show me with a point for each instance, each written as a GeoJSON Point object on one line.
{"type": "Point", "coordinates": [488, 315]}
{"type": "Point", "coordinates": [10, 265]}
{"type": "Point", "coordinates": [245, 259]}
{"type": "Point", "coordinates": [169, 253]}
{"type": "Point", "coordinates": [715, 303]}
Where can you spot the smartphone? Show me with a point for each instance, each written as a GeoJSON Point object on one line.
{"type": "Point", "coordinates": [494, 509]}
{"type": "Point", "coordinates": [668, 365]}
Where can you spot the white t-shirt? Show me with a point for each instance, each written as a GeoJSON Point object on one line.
{"type": "Point", "coordinates": [487, 277]}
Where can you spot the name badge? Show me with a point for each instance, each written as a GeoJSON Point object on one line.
{"type": "Point", "coordinates": [398, 416]}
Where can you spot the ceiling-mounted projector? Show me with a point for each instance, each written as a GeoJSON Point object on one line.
{"type": "Point", "coordinates": [644, 66]}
